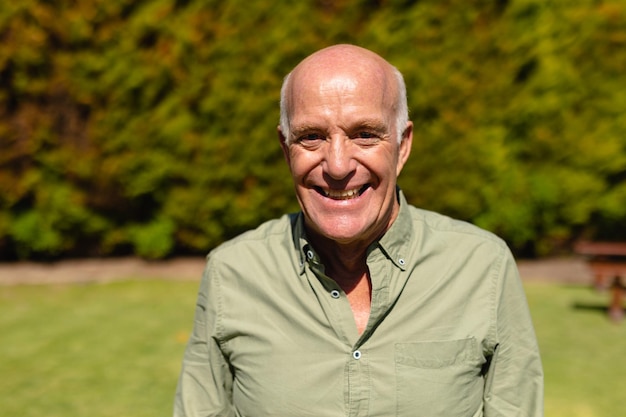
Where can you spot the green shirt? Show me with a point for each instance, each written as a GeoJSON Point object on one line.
{"type": "Point", "coordinates": [449, 332]}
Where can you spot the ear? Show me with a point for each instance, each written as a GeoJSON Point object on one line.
{"type": "Point", "coordinates": [283, 145]}
{"type": "Point", "coordinates": [405, 147]}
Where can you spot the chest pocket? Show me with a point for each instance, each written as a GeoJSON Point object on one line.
{"type": "Point", "coordinates": [439, 378]}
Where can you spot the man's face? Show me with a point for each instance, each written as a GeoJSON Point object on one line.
{"type": "Point", "coordinates": [344, 155]}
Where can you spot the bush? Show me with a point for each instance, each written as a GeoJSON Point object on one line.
{"type": "Point", "coordinates": [149, 126]}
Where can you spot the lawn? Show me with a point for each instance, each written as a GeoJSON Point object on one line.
{"type": "Point", "coordinates": [115, 349]}
{"type": "Point", "coordinates": [584, 354]}
{"type": "Point", "coordinates": [93, 350]}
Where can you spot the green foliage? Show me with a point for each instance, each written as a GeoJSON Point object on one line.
{"type": "Point", "coordinates": [153, 240]}
{"type": "Point", "coordinates": [149, 126]}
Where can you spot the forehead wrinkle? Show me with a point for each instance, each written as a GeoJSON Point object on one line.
{"type": "Point", "coordinates": [346, 72]}
{"type": "Point", "coordinates": [338, 84]}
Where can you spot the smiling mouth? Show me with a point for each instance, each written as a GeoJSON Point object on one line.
{"type": "Point", "coordinates": [342, 194]}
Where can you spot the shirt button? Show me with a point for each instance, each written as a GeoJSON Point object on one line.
{"type": "Point", "coordinates": [401, 261]}
{"type": "Point", "coordinates": [356, 354]}
{"type": "Point", "coordinates": [335, 294]}
{"type": "Point", "coordinates": [309, 254]}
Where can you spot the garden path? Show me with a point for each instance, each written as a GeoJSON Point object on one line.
{"type": "Point", "coordinates": [569, 270]}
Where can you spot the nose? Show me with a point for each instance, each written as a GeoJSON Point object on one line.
{"type": "Point", "coordinates": [338, 161]}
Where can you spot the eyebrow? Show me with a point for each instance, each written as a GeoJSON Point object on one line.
{"type": "Point", "coordinates": [304, 129]}
{"type": "Point", "coordinates": [370, 124]}
{"type": "Point", "coordinates": [373, 124]}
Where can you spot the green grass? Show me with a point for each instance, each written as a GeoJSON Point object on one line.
{"type": "Point", "coordinates": [584, 354]}
{"type": "Point", "coordinates": [93, 350]}
{"type": "Point", "coordinates": [115, 349]}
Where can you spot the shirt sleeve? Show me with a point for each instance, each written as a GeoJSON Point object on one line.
{"type": "Point", "coordinates": [205, 382]}
{"type": "Point", "coordinates": [514, 380]}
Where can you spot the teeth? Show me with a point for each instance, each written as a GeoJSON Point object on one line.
{"type": "Point", "coordinates": [342, 194]}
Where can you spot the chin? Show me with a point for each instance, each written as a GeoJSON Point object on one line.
{"type": "Point", "coordinates": [340, 231]}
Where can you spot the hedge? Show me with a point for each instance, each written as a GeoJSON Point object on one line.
{"type": "Point", "coordinates": [149, 127]}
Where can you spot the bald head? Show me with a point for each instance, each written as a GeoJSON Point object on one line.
{"type": "Point", "coordinates": [336, 67]}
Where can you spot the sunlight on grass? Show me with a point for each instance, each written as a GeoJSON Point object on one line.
{"type": "Point", "coordinates": [583, 352]}
{"type": "Point", "coordinates": [93, 350]}
{"type": "Point", "coordinates": [115, 349]}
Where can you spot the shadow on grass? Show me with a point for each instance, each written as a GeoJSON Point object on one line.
{"type": "Point", "coordinates": [599, 306]}
{"type": "Point", "coordinates": [596, 307]}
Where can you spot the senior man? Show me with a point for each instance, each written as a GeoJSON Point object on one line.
{"type": "Point", "coordinates": [359, 305]}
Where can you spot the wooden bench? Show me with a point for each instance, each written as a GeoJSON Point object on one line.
{"type": "Point", "coordinates": [607, 261]}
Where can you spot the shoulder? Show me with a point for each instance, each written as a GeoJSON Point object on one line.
{"type": "Point", "coordinates": [453, 232]}
{"type": "Point", "coordinates": [271, 230]}
{"type": "Point", "coordinates": [257, 250]}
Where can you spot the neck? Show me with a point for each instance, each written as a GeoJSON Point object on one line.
{"type": "Point", "coordinates": [346, 264]}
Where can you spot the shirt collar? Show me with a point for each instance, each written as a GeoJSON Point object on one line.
{"type": "Point", "coordinates": [300, 242]}
{"type": "Point", "coordinates": [394, 243]}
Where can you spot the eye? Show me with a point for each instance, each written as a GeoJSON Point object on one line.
{"type": "Point", "coordinates": [366, 137]}
{"type": "Point", "coordinates": [310, 136]}
{"type": "Point", "coordinates": [310, 140]}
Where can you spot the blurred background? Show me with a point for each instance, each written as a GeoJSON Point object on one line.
{"type": "Point", "coordinates": [141, 130]}
{"type": "Point", "coordinates": [148, 127]}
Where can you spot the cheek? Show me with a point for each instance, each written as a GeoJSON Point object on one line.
{"type": "Point", "coordinates": [387, 167]}
{"type": "Point", "coordinates": [302, 163]}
